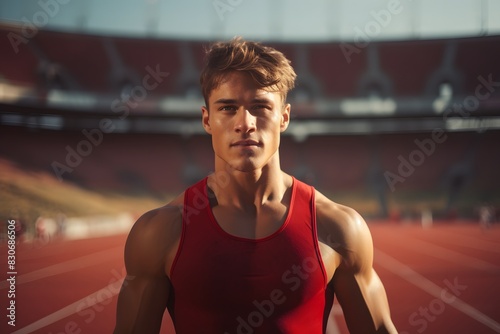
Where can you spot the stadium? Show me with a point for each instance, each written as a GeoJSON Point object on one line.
{"type": "Point", "coordinates": [99, 127]}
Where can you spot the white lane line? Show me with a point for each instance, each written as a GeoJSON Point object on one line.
{"type": "Point", "coordinates": [446, 254]}
{"type": "Point", "coordinates": [411, 276]}
{"type": "Point", "coordinates": [70, 265]}
{"type": "Point", "coordinates": [102, 296]}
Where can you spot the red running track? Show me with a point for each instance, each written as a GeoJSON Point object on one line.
{"type": "Point", "coordinates": [442, 279]}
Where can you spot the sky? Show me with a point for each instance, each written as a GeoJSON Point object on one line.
{"type": "Point", "coordinates": [287, 20]}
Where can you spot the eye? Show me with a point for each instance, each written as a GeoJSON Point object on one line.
{"type": "Point", "coordinates": [228, 108]}
{"type": "Point", "coordinates": [261, 107]}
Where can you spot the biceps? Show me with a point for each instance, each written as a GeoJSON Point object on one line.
{"type": "Point", "coordinates": [141, 304]}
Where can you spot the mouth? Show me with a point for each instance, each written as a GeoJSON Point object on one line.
{"type": "Point", "coordinates": [245, 143]}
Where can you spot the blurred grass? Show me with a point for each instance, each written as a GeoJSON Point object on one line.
{"type": "Point", "coordinates": [27, 195]}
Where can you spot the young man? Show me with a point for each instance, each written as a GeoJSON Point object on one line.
{"type": "Point", "coordinates": [249, 249]}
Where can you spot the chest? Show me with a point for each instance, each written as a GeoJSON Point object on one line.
{"type": "Point", "coordinates": [234, 281]}
{"type": "Point", "coordinates": [235, 272]}
{"type": "Point", "coordinates": [250, 224]}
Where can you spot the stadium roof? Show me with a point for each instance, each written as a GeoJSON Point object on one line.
{"type": "Point", "coordinates": [279, 20]}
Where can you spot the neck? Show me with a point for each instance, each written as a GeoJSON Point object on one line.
{"type": "Point", "coordinates": [248, 188]}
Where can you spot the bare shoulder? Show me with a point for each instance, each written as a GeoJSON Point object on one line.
{"type": "Point", "coordinates": [358, 288]}
{"type": "Point", "coordinates": [344, 230]}
{"type": "Point", "coordinates": [153, 240]}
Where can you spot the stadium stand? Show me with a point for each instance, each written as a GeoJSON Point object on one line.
{"type": "Point", "coordinates": [352, 119]}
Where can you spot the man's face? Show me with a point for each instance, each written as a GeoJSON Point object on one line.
{"type": "Point", "coordinates": [245, 122]}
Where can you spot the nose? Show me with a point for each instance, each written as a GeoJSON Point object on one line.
{"type": "Point", "coordinates": [245, 121]}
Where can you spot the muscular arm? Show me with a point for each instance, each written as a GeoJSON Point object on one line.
{"type": "Point", "coordinates": [357, 286]}
{"type": "Point", "coordinates": [149, 250]}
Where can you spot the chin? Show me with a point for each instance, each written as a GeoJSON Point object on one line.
{"type": "Point", "coordinates": [245, 164]}
{"type": "Point", "coordinates": [246, 167]}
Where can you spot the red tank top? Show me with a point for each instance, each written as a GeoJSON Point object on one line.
{"type": "Point", "coordinates": [231, 285]}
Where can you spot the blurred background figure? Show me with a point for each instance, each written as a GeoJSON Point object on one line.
{"type": "Point", "coordinates": [486, 215]}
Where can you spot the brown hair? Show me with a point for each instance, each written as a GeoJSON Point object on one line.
{"type": "Point", "coordinates": [268, 67]}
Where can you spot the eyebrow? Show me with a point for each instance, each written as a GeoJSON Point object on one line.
{"type": "Point", "coordinates": [225, 101]}
{"type": "Point", "coordinates": [234, 101]}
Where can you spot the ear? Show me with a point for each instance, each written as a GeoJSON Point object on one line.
{"type": "Point", "coordinates": [206, 120]}
{"type": "Point", "coordinates": [285, 117]}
